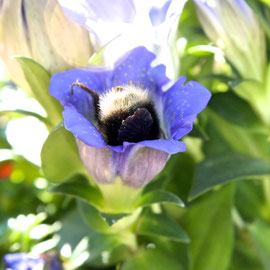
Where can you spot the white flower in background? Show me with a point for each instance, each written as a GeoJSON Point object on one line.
{"type": "Point", "coordinates": [40, 30]}
{"type": "Point", "coordinates": [129, 24]}
{"type": "Point", "coordinates": [233, 27]}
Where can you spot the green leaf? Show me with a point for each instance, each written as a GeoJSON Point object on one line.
{"type": "Point", "coordinates": [235, 110]}
{"type": "Point", "coordinates": [162, 226]}
{"type": "Point", "coordinates": [152, 259]}
{"type": "Point", "coordinates": [159, 196]}
{"type": "Point", "coordinates": [209, 225]}
{"type": "Point", "coordinates": [39, 79]}
{"type": "Point", "coordinates": [59, 155]}
{"type": "Point", "coordinates": [234, 138]}
{"type": "Point", "coordinates": [79, 187]}
{"type": "Point", "coordinates": [216, 145]}
{"type": "Point", "coordinates": [92, 217]}
{"type": "Point", "coordinates": [222, 169]}
{"type": "Point", "coordinates": [250, 200]}
{"type": "Point", "coordinates": [260, 234]}
{"type": "Point", "coordinates": [181, 175]}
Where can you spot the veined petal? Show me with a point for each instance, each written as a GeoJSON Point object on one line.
{"type": "Point", "coordinates": [169, 146]}
{"type": "Point", "coordinates": [98, 161]}
{"type": "Point", "coordinates": [138, 165]}
{"type": "Point", "coordinates": [181, 105]}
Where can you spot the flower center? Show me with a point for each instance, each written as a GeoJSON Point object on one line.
{"type": "Point", "coordinates": [127, 113]}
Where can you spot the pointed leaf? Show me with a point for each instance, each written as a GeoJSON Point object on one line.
{"type": "Point", "coordinates": [92, 217]}
{"type": "Point", "coordinates": [222, 169]}
{"type": "Point", "coordinates": [39, 79]}
{"type": "Point", "coordinates": [59, 155]}
{"type": "Point", "coordinates": [159, 196]}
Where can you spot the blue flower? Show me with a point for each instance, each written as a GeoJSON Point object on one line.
{"type": "Point", "coordinates": [140, 142]}
{"type": "Point", "coordinates": [24, 261]}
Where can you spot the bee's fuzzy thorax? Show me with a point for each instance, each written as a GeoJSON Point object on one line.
{"type": "Point", "coordinates": [118, 100]}
{"type": "Point", "coordinates": [127, 113]}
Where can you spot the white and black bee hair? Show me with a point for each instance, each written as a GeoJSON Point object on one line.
{"type": "Point", "coordinates": [124, 113]}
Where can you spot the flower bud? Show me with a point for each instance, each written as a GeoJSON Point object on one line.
{"type": "Point", "coordinates": [40, 30]}
{"type": "Point", "coordinates": [233, 27]}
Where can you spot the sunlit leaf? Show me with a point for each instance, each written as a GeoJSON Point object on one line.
{"type": "Point", "coordinates": [59, 155]}
{"type": "Point", "coordinates": [39, 79]}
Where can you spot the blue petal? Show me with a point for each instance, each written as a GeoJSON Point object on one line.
{"type": "Point", "coordinates": [97, 79]}
{"type": "Point", "coordinates": [181, 105]}
{"type": "Point", "coordinates": [169, 146]}
{"type": "Point", "coordinates": [135, 67]}
{"type": "Point", "coordinates": [82, 128]}
{"type": "Point", "coordinates": [158, 15]}
{"type": "Point", "coordinates": [85, 11]}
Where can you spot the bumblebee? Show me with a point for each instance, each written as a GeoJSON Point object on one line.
{"type": "Point", "coordinates": [124, 114]}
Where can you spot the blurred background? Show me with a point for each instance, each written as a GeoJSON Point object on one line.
{"type": "Point", "coordinates": [228, 219]}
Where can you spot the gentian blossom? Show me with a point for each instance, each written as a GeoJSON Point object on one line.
{"type": "Point", "coordinates": [137, 145]}
{"type": "Point", "coordinates": [128, 24]}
